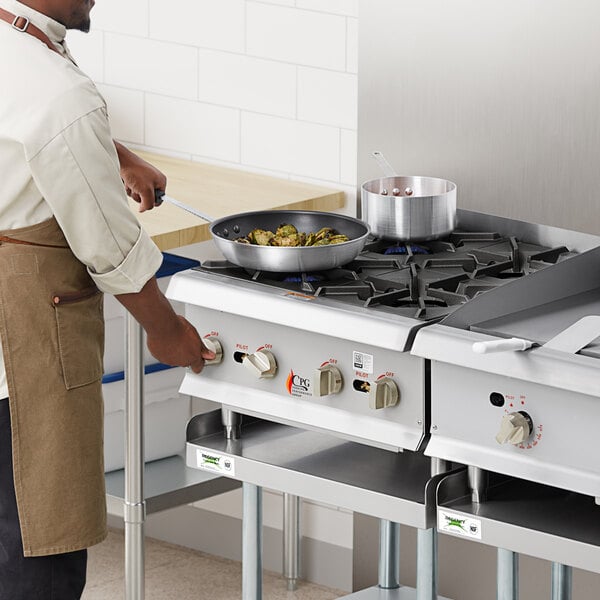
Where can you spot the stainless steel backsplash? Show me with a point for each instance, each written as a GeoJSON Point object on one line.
{"type": "Point", "coordinates": [502, 98]}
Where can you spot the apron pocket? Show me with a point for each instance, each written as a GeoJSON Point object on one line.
{"type": "Point", "coordinates": [80, 327]}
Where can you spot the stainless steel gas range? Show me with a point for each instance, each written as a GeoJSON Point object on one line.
{"type": "Point", "coordinates": [515, 391]}
{"type": "Point", "coordinates": [329, 350]}
{"type": "Point", "coordinates": [516, 378]}
{"type": "Point", "coordinates": [370, 354]}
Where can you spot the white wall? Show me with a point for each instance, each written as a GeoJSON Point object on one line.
{"type": "Point", "coordinates": [266, 86]}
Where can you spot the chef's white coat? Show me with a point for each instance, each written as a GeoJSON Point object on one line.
{"type": "Point", "coordinates": [57, 157]}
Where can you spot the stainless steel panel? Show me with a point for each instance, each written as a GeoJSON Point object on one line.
{"type": "Point", "coordinates": [567, 372]}
{"type": "Point", "coordinates": [167, 483]}
{"type": "Point", "coordinates": [274, 305]}
{"type": "Point", "coordinates": [530, 519]}
{"type": "Point", "coordinates": [387, 485]}
{"type": "Point", "coordinates": [500, 98]}
{"type": "Point", "coordinates": [561, 451]}
{"type": "Point", "coordinates": [288, 397]}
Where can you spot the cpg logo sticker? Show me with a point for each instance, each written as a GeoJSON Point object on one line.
{"type": "Point", "coordinates": [217, 463]}
{"type": "Point", "coordinates": [458, 525]}
{"type": "Point", "coordinates": [297, 386]}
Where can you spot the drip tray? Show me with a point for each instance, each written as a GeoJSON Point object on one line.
{"type": "Point", "coordinates": [524, 517]}
{"type": "Point", "coordinates": [320, 467]}
{"type": "Point", "coordinates": [541, 323]}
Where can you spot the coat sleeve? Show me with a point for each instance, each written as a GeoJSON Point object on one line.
{"type": "Point", "coordinates": [77, 172]}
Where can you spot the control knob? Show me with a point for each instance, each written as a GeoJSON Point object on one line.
{"type": "Point", "coordinates": [262, 364]}
{"type": "Point", "coordinates": [383, 393]}
{"type": "Point", "coordinates": [327, 380]}
{"type": "Point", "coordinates": [515, 428]}
{"type": "Point", "coordinates": [214, 345]}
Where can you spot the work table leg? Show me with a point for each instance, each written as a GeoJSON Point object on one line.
{"type": "Point", "coordinates": [134, 505]}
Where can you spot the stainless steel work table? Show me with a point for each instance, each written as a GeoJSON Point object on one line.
{"type": "Point", "coordinates": [395, 487]}
{"type": "Point", "coordinates": [216, 191]}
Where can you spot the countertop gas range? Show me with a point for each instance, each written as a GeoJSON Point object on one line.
{"type": "Point", "coordinates": [330, 350]}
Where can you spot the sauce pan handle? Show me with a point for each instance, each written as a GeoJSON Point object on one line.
{"type": "Point", "coordinates": [387, 169]}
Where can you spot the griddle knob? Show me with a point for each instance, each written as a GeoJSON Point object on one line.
{"type": "Point", "coordinates": [515, 428]}
{"type": "Point", "coordinates": [327, 380]}
{"type": "Point", "coordinates": [261, 363]}
{"type": "Point", "coordinates": [214, 345]}
{"type": "Point", "coordinates": [383, 393]}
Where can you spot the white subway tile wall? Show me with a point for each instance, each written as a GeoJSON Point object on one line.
{"type": "Point", "coordinates": [192, 127]}
{"type": "Point", "coordinates": [268, 86]}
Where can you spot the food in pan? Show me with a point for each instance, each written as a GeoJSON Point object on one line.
{"type": "Point", "coordinates": [288, 236]}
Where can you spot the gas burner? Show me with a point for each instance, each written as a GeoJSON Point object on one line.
{"type": "Point", "coordinates": [388, 248]}
{"type": "Point", "coordinates": [303, 277]}
{"type": "Point", "coordinates": [406, 249]}
{"type": "Point", "coordinates": [305, 281]}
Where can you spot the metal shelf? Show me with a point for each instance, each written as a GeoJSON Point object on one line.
{"type": "Point", "coordinates": [529, 518]}
{"type": "Point", "coordinates": [167, 483]}
{"type": "Point", "coordinates": [393, 486]}
{"type": "Point", "coordinates": [377, 593]}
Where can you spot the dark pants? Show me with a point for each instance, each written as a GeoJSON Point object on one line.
{"type": "Point", "coordinates": [57, 577]}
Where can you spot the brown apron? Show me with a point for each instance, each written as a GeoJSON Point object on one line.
{"type": "Point", "coordinates": [52, 331]}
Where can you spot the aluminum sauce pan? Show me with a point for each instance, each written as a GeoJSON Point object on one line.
{"type": "Point", "coordinates": [282, 259]}
{"type": "Point", "coordinates": [424, 209]}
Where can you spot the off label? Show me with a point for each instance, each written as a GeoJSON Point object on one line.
{"type": "Point", "coordinates": [458, 524]}
{"type": "Point", "coordinates": [362, 362]}
{"type": "Point", "coordinates": [217, 463]}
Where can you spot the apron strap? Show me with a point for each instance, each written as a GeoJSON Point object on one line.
{"type": "Point", "coordinates": [8, 240]}
{"type": "Point", "coordinates": [24, 25]}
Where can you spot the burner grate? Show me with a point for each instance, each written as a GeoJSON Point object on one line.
{"type": "Point", "coordinates": [424, 280]}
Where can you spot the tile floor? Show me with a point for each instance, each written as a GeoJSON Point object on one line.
{"type": "Point", "coordinates": [176, 573]}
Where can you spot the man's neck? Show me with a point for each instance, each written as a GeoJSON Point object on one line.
{"type": "Point", "coordinates": [46, 7]}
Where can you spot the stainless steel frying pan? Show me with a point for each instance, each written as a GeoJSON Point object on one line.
{"type": "Point", "coordinates": [282, 259]}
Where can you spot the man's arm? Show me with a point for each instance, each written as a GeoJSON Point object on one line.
{"type": "Point", "coordinates": [140, 177]}
{"type": "Point", "coordinates": [170, 338]}
{"type": "Point", "coordinates": [86, 197]}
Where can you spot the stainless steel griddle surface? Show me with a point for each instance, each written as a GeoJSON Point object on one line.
{"type": "Point", "coordinates": [541, 323]}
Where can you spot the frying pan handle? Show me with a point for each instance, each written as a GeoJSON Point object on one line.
{"type": "Point", "coordinates": [387, 169]}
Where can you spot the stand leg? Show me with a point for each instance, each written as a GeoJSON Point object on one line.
{"type": "Point", "coordinates": [427, 550]}
{"type": "Point", "coordinates": [478, 480]}
{"type": "Point", "coordinates": [562, 581]}
{"type": "Point", "coordinates": [134, 505]}
{"type": "Point", "coordinates": [508, 575]}
{"type": "Point", "coordinates": [389, 555]}
{"type": "Point", "coordinates": [291, 540]}
{"type": "Point", "coordinates": [232, 424]}
{"type": "Point", "coordinates": [252, 542]}
{"type": "Point", "coordinates": [427, 564]}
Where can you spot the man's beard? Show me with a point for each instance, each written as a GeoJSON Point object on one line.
{"type": "Point", "coordinates": [83, 25]}
{"type": "Point", "coordinates": [80, 19]}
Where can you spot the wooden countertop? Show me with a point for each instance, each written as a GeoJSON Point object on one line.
{"type": "Point", "coordinates": [218, 192]}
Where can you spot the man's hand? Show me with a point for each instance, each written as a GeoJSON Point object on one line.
{"type": "Point", "coordinates": [180, 347]}
{"type": "Point", "coordinates": [170, 338]}
{"type": "Point", "coordinates": [139, 177]}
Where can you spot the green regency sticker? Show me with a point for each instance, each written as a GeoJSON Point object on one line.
{"type": "Point", "coordinates": [458, 524]}
{"type": "Point", "coordinates": [217, 463]}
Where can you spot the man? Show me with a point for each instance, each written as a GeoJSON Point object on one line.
{"type": "Point", "coordinates": [66, 235]}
